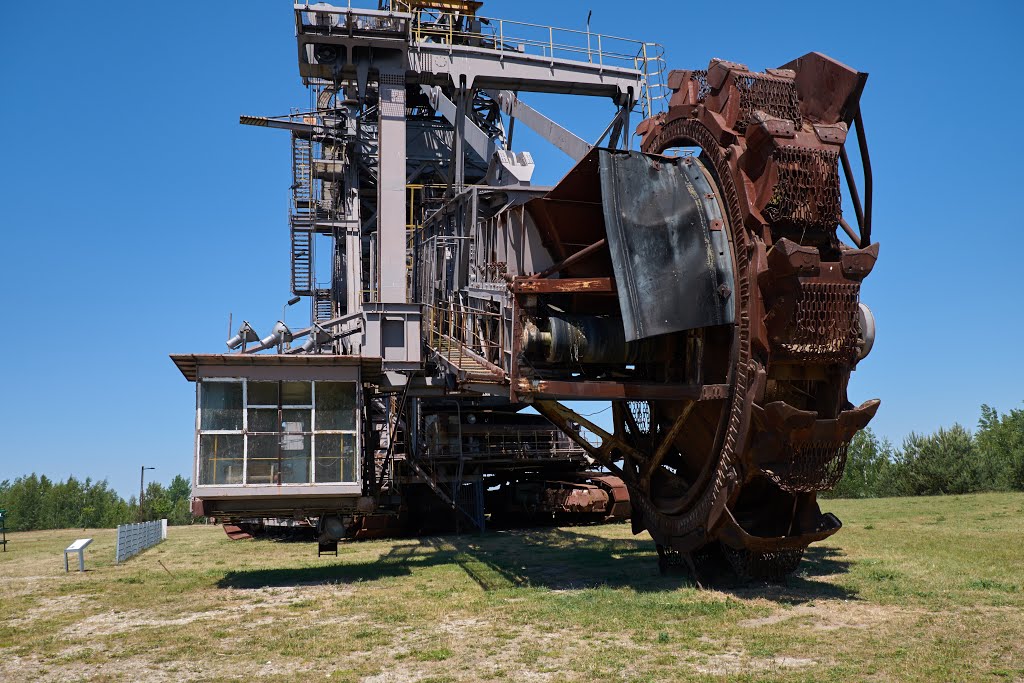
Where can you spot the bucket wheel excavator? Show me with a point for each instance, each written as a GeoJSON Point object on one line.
{"type": "Point", "coordinates": [706, 286]}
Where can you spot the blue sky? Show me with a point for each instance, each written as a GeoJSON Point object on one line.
{"type": "Point", "coordinates": [137, 214]}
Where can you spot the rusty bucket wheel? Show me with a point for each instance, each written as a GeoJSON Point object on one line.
{"type": "Point", "coordinates": [773, 145]}
{"type": "Point", "coordinates": [728, 475]}
{"type": "Point", "coordinates": [690, 468]}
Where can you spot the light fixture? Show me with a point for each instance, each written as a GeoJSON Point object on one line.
{"type": "Point", "coordinates": [279, 335]}
{"type": "Point", "coordinates": [318, 336]}
{"type": "Point", "coordinates": [245, 335]}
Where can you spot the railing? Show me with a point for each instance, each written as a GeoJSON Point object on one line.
{"type": "Point", "coordinates": [456, 330]}
{"type": "Point", "coordinates": [327, 20]}
{"type": "Point", "coordinates": [519, 37]}
{"type": "Point", "coordinates": [132, 539]}
{"type": "Point", "coordinates": [511, 444]}
{"type": "Point", "coordinates": [501, 35]}
{"type": "Point", "coordinates": [655, 94]}
{"type": "Point", "coordinates": [549, 42]}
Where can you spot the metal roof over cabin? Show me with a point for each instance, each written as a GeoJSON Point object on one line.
{"type": "Point", "coordinates": [188, 363]}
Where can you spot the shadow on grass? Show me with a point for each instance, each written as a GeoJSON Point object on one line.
{"type": "Point", "coordinates": [805, 584]}
{"type": "Point", "coordinates": [397, 562]}
{"type": "Point", "coordinates": [557, 559]}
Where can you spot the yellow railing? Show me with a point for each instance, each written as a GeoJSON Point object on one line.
{"type": "Point", "coordinates": [467, 7]}
{"type": "Point", "coordinates": [455, 330]}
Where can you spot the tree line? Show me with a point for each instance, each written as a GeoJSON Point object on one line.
{"type": "Point", "coordinates": [949, 461]}
{"type": "Point", "coordinates": [37, 502]}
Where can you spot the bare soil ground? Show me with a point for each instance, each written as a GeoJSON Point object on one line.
{"type": "Point", "coordinates": [919, 589]}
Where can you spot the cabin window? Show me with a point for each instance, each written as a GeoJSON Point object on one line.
{"type": "Point", "coordinates": [268, 433]}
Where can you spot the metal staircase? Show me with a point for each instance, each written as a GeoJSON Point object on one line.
{"type": "Point", "coordinates": [465, 498]}
{"type": "Point", "coordinates": [323, 305]}
{"type": "Point", "coordinates": [302, 218]}
{"type": "Point", "coordinates": [302, 261]}
{"type": "Point", "coordinates": [468, 365]}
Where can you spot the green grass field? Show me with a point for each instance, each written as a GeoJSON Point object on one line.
{"type": "Point", "coordinates": [924, 589]}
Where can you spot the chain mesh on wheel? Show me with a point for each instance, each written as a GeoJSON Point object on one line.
{"type": "Point", "coordinates": [771, 565]}
{"type": "Point", "coordinates": [826, 323]}
{"type": "Point", "coordinates": [703, 89]}
{"type": "Point", "coordinates": [771, 95]}
{"type": "Point", "coordinates": [812, 466]}
{"type": "Point", "coordinates": [807, 194]}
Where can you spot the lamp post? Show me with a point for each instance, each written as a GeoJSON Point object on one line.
{"type": "Point", "coordinates": [291, 302]}
{"type": "Point", "coordinates": [142, 490]}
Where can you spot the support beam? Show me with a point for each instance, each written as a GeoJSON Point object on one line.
{"type": "Point", "coordinates": [457, 170]}
{"type": "Point", "coordinates": [558, 136]}
{"type": "Point", "coordinates": [391, 189]}
{"type": "Point", "coordinates": [574, 390]}
{"type": "Point", "coordinates": [571, 259]}
{"type": "Point", "coordinates": [353, 243]}
{"type": "Point", "coordinates": [475, 138]}
{"type": "Point", "coordinates": [666, 443]}
{"type": "Point", "coordinates": [564, 419]}
{"type": "Point", "coordinates": [573, 285]}
{"type": "Point", "coordinates": [487, 69]}
{"type": "Point", "coordinates": [302, 129]}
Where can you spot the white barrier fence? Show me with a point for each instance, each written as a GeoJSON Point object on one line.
{"type": "Point", "coordinates": [132, 539]}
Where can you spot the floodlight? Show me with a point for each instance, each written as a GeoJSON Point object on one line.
{"type": "Point", "coordinates": [318, 336]}
{"type": "Point", "coordinates": [278, 335]}
{"type": "Point", "coordinates": [245, 335]}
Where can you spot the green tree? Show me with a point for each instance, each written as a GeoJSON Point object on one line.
{"type": "Point", "coordinates": [179, 493]}
{"type": "Point", "coordinates": [942, 463]}
{"type": "Point", "coordinates": [24, 502]}
{"type": "Point", "coordinates": [35, 502]}
{"type": "Point", "coordinates": [1000, 442]}
{"type": "Point", "coordinates": [62, 505]}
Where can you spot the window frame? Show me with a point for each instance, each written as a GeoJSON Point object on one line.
{"type": "Point", "coordinates": [312, 432]}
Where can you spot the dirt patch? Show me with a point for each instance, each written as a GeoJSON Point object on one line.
{"type": "Point", "coordinates": [48, 607]}
{"type": "Point", "coordinates": [829, 615]}
{"type": "Point", "coordinates": [111, 622]}
{"type": "Point", "coordinates": [15, 668]}
{"type": "Point", "coordinates": [738, 662]}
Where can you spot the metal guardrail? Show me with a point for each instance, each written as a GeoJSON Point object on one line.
{"type": "Point", "coordinates": [504, 36]}
{"type": "Point", "coordinates": [511, 444]}
{"type": "Point", "coordinates": [132, 539]}
{"type": "Point", "coordinates": [458, 328]}
{"type": "Point", "coordinates": [550, 42]}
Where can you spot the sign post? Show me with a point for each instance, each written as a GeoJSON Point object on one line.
{"type": "Point", "coordinates": [77, 547]}
{"type": "Point", "coordinates": [3, 529]}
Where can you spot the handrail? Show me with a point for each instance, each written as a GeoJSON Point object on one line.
{"type": "Point", "coordinates": [504, 36]}
{"type": "Point", "coordinates": [514, 443]}
{"type": "Point", "coordinates": [445, 25]}
{"type": "Point", "coordinates": [548, 39]}
{"type": "Point", "coordinates": [454, 322]}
